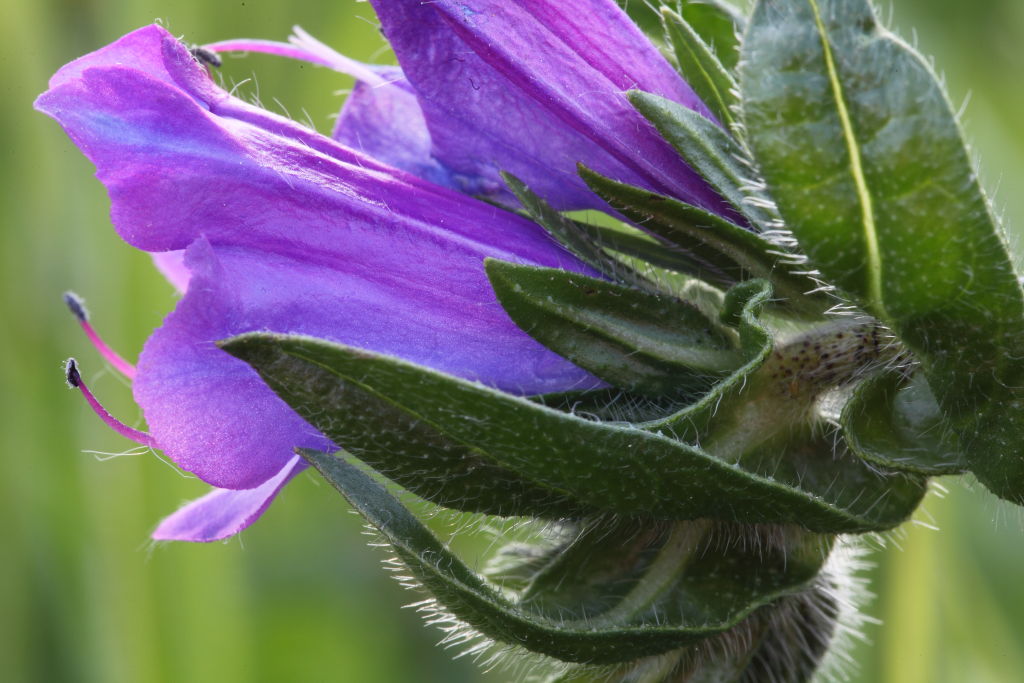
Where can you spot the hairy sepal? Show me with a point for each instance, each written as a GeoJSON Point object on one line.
{"type": "Point", "coordinates": [638, 341]}
{"type": "Point", "coordinates": [711, 151]}
{"type": "Point", "coordinates": [894, 421]}
{"type": "Point", "coordinates": [708, 77]}
{"type": "Point", "coordinates": [612, 467]}
{"type": "Point", "coordinates": [694, 601]}
{"type": "Point", "coordinates": [724, 253]}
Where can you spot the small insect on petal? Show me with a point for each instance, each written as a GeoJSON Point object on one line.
{"type": "Point", "coordinates": [206, 57]}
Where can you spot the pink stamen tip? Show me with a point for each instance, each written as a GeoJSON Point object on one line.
{"type": "Point", "coordinates": [74, 379]}
{"type": "Point", "coordinates": [76, 305]}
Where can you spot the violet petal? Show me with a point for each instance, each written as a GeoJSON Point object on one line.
{"type": "Point", "coordinates": [293, 233]}
{"type": "Point", "coordinates": [199, 401]}
{"type": "Point", "coordinates": [384, 120]}
{"type": "Point", "coordinates": [171, 265]}
{"type": "Point", "coordinates": [240, 175]}
{"type": "Point", "coordinates": [534, 87]}
{"type": "Point", "coordinates": [224, 512]}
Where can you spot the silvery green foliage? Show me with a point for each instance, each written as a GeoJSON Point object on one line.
{"type": "Point", "coordinates": [775, 386]}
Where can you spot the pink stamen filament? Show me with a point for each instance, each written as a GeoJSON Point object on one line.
{"type": "Point", "coordinates": [76, 305]}
{"type": "Point", "coordinates": [75, 380]}
{"type": "Point", "coordinates": [122, 366]}
{"type": "Point", "coordinates": [305, 48]}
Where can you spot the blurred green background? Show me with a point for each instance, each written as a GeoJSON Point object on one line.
{"type": "Point", "coordinates": [83, 594]}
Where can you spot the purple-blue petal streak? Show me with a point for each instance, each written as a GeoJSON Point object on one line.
{"type": "Point", "coordinates": [381, 117]}
{"type": "Point", "coordinates": [287, 231]}
{"type": "Point", "coordinates": [533, 87]}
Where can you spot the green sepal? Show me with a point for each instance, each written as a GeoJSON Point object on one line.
{"type": "Point", "coordinates": [634, 340]}
{"type": "Point", "coordinates": [710, 151]}
{"type": "Point", "coordinates": [719, 24]}
{"type": "Point", "coordinates": [612, 467]}
{"type": "Point", "coordinates": [629, 241]}
{"type": "Point", "coordinates": [569, 233]}
{"type": "Point", "coordinates": [407, 450]}
{"type": "Point", "coordinates": [770, 401]}
{"type": "Point", "coordinates": [742, 309]}
{"type": "Point", "coordinates": [701, 68]}
{"type": "Point", "coordinates": [725, 252]}
{"type": "Point", "coordinates": [894, 421]}
{"type": "Point", "coordinates": [615, 405]}
{"type": "Point", "coordinates": [862, 152]}
{"type": "Point", "coordinates": [683, 572]}
{"type": "Point", "coordinates": [471, 599]}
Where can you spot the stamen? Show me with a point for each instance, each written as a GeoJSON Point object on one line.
{"type": "Point", "coordinates": [74, 380]}
{"type": "Point", "coordinates": [76, 305]}
{"type": "Point", "coordinates": [305, 48]}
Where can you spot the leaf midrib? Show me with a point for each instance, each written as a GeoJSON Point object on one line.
{"type": "Point", "coordinates": [874, 258]}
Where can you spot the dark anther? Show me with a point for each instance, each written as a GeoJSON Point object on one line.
{"type": "Point", "coordinates": [76, 306]}
{"type": "Point", "coordinates": [74, 379]}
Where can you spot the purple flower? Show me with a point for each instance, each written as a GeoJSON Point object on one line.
{"type": "Point", "coordinates": [267, 225]}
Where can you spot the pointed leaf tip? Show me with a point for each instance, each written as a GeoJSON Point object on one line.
{"type": "Point", "coordinates": [701, 68]}
{"type": "Point", "coordinates": [641, 342]}
{"type": "Point", "coordinates": [712, 152]}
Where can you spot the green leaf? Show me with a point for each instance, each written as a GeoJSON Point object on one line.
{"type": "Point", "coordinates": [861, 150]}
{"type": "Point", "coordinates": [634, 340]}
{"type": "Point", "coordinates": [719, 24]}
{"type": "Point", "coordinates": [700, 67]}
{"type": "Point", "coordinates": [613, 467]}
{"type": "Point", "coordinates": [729, 253]}
{"type": "Point", "coordinates": [467, 596]}
{"type": "Point", "coordinates": [895, 422]}
{"type": "Point", "coordinates": [710, 151]}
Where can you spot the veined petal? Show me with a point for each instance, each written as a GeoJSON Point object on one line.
{"type": "Point", "coordinates": [200, 401]}
{"type": "Point", "coordinates": [383, 119]}
{"type": "Point", "coordinates": [536, 86]}
{"type": "Point", "coordinates": [178, 165]}
{"type": "Point", "coordinates": [224, 512]}
{"type": "Point", "coordinates": [216, 417]}
{"type": "Point", "coordinates": [291, 232]}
